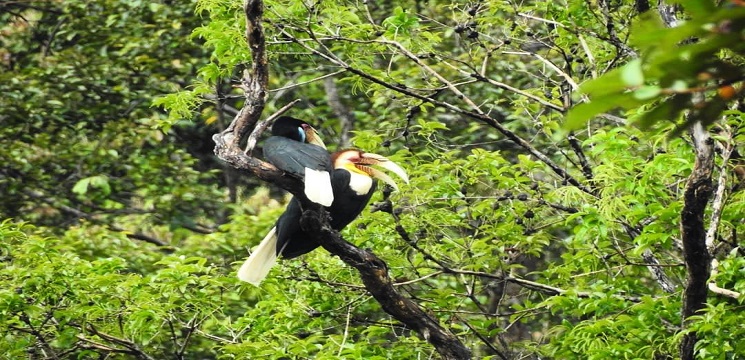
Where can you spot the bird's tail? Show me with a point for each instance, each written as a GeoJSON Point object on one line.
{"type": "Point", "coordinates": [318, 187]}
{"type": "Point", "coordinates": [257, 267]}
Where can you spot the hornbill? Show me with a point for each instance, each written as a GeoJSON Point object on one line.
{"type": "Point", "coordinates": [296, 148]}
{"type": "Point", "coordinates": [353, 185]}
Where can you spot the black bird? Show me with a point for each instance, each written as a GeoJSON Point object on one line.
{"type": "Point", "coordinates": [296, 148]}
{"type": "Point", "coordinates": [353, 186]}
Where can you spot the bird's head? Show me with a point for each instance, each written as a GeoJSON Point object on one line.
{"type": "Point", "coordinates": [296, 129]}
{"type": "Point", "coordinates": [359, 162]}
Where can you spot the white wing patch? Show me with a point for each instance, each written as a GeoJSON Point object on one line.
{"type": "Point", "coordinates": [318, 187]}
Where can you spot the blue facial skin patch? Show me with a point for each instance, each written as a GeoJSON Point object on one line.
{"type": "Point", "coordinates": [302, 134]}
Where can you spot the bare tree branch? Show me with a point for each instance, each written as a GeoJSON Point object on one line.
{"type": "Point", "coordinates": [262, 125]}
{"type": "Point", "coordinates": [253, 83]}
{"type": "Point", "coordinates": [653, 265]}
{"type": "Point", "coordinates": [483, 339]}
{"type": "Point", "coordinates": [131, 346]}
{"type": "Point", "coordinates": [374, 274]}
{"type": "Point", "coordinates": [713, 287]}
{"type": "Point", "coordinates": [43, 343]}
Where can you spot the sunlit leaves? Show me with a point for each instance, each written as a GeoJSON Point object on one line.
{"type": "Point", "coordinates": [675, 64]}
{"type": "Point", "coordinates": [100, 182]}
{"type": "Point", "coordinates": [401, 22]}
{"type": "Point", "coordinates": [181, 104]}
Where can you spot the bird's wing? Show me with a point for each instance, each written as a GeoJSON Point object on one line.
{"type": "Point", "coordinates": [293, 157]}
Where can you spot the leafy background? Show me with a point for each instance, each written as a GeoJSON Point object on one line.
{"type": "Point", "coordinates": [123, 232]}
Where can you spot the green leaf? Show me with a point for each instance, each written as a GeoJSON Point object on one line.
{"type": "Point", "coordinates": [679, 86]}
{"type": "Point", "coordinates": [610, 83]}
{"type": "Point", "coordinates": [580, 114]}
{"type": "Point", "coordinates": [401, 22]}
{"type": "Point", "coordinates": [667, 111]}
{"type": "Point", "coordinates": [697, 8]}
{"type": "Point", "coordinates": [101, 182]}
{"type": "Point", "coordinates": [647, 92]}
{"type": "Point", "coordinates": [632, 74]}
{"type": "Point", "coordinates": [81, 187]}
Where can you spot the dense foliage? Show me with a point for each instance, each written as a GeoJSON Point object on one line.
{"type": "Point", "coordinates": [122, 234]}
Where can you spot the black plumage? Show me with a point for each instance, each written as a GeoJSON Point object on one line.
{"type": "Point", "coordinates": [293, 241]}
{"type": "Point", "coordinates": [352, 185]}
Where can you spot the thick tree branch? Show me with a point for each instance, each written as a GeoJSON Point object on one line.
{"type": "Point", "coordinates": [253, 83]}
{"type": "Point", "coordinates": [693, 232]}
{"type": "Point", "coordinates": [373, 271]}
{"type": "Point", "coordinates": [717, 207]}
{"type": "Point", "coordinates": [374, 274]}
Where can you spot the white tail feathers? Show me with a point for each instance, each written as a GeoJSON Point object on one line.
{"type": "Point", "coordinates": [318, 187]}
{"type": "Point", "coordinates": [257, 267]}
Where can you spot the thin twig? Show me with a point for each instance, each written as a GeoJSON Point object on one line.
{"type": "Point", "coordinates": [214, 337]}
{"type": "Point", "coordinates": [583, 162]}
{"type": "Point", "coordinates": [292, 86]}
{"type": "Point", "coordinates": [713, 287]}
{"type": "Point", "coordinates": [262, 125]}
{"type": "Point", "coordinates": [346, 332]}
{"type": "Point", "coordinates": [588, 53]}
{"type": "Point", "coordinates": [191, 326]}
{"type": "Point", "coordinates": [99, 346]}
{"type": "Point", "coordinates": [131, 346]}
{"type": "Point", "coordinates": [425, 277]}
{"type": "Point", "coordinates": [36, 333]}
{"type": "Point", "coordinates": [483, 78]}
{"type": "Point", "coordinates": [532, 285]}
{"type": "Point", "coordinates": [652, 264]}
{"type": "Point", "coordinates": [552, 22]}
{"type": "Point", "coordinates": [483, 338]}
